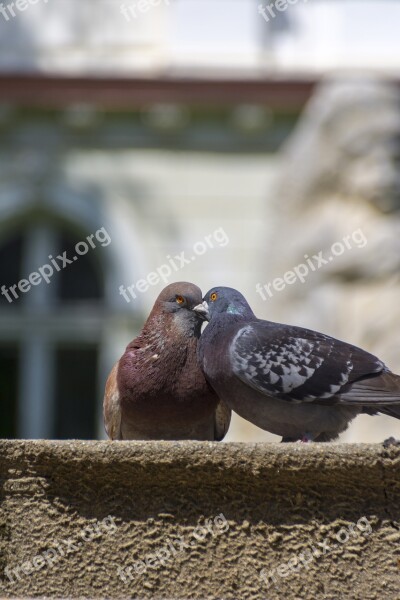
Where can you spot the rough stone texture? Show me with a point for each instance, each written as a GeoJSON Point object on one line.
{"type": "Point", "coordinates": [278, 499]}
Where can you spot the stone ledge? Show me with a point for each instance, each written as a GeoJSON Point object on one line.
{"type": "Point", "coordinates": [275, 501]}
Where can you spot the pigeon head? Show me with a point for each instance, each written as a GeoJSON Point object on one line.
{"type": "Point", "coordinates": [224, 300]}
{"type": "Point", "coordinates": [176, 302]}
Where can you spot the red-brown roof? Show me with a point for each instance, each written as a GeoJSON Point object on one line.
{"type": "Point", "coordinates": [120, 93]}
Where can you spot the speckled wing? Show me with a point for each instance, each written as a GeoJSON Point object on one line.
{"type": "Point", "coordinates": [299, 365]}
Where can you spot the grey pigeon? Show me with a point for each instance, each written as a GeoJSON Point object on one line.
{"type": "Point", "coordinates": [293, 382]}
{"type": "Point", "coordinates": [156, 391]}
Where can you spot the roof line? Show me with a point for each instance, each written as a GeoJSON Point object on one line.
{"type": "Point", "coordinates": [57, 91]}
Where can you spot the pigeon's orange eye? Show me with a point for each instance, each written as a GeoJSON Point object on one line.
{"type": "Point", "coordinates": [213, 296]}
{"type": "Point", "coordinates": [180, 299]}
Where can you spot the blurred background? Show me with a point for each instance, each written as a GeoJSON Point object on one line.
{"type": "Point", "coordinates": [272, 129]}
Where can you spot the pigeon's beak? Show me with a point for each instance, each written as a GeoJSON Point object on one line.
{"type": "Point", "coordinates": [202, 311]}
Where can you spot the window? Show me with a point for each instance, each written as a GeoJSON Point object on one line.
{"type": "Point", "coordinates": [52, 333]}
{"type": "Point", "coordinates": [75, 394]}
{"type": "Point", "coordinates": [10, 267]}
{"type": "Point", "coordinates": [9, 361]}
{"type": "Point", "coordinates": [80, 280]}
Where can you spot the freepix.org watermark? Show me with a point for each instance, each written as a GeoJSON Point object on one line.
{"type": "Point", "coordinates": [61, 549]}
{"type": "Point", "coordinates": [135, 9]}
{"type": "Point", "coordinates": [174, 264]}
{"type": "Point", "coordinates": [297, 562]}
{"type": "Point", "coordinates": [7, 11]}
{"type": "Point", "coordinates": [46, 272]}
{"type": "Point", "coordinates": [175, 545]}
{"type": "Point", "coordinates": [301, 271]}
{"type": "Point", "coordinates": [270, 10]}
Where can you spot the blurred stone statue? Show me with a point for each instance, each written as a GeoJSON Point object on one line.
{"type": "Point", "coordinates": [334, 262]}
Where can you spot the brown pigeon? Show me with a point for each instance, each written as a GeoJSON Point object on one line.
{"type": "Point", "coordinates": [156, 391]}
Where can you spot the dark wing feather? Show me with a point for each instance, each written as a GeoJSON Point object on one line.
{"type": "Point", "coordinates": [299, 365]}
{"type": "Point", "coordinates": [370, 391]}
{"type": "Point", "coordinates": [222, 419]}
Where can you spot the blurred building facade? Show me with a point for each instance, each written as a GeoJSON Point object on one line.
{"type": "Point", "coordinates": [162, 127]}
